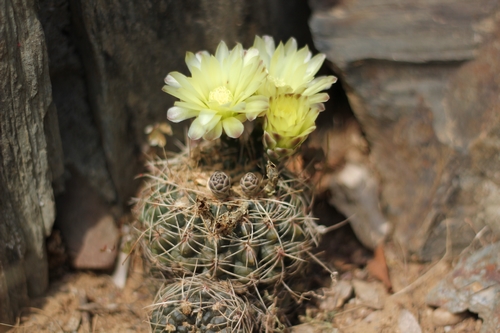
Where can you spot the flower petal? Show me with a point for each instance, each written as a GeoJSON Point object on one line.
{"type": "Point", "coordinates": [206, 116]}
{"type": "Point", "coordinates": [249, 55]}
{"type": "Point", "coordinates": [191, 106]}
{"type": "Point", "coordinates": [196, 130]}
{"type": "Point", "coordinates": [315, 63]}
{"type": "Point", "coordinates": [192, 61]}
{"type": "Point", "coordinates": [176, 114]}
{"type": "Point", "coordinates": [256, 106]}
{"type": "Point", "coordinates": [319, 84]}
{"type": "Point", "coordinates": [222, 51]}
{"type": "Point", "coordinates": [268, 140]}
{"type": "Point", "coordinates": [171, 81]}
{"type": "Point", "coordinates": [291, 46]}
{"type": "Point", "coordinates": [215, 120]}
{"type": "Point", "coordinates": [307, 131]}
{"type": "Point", "coordinates": [202, 54]}
{"type": "Point", "coordinates": [319, 98]}
{"type": "Point", "coordinates": [233, 127]}
{"type": "Point", "coordinates": [214, 133]}
{"type": "Point", "coordinates": [269, 42]}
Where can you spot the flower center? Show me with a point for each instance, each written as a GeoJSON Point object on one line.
{"type": "Point", "coordinates": [221, 95]}
{"type": "Point", "coordinates": [278, 82]}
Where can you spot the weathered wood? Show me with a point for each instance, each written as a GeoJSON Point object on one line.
{"type": "Point", "coordinates": [419, 77]}
{"type": "Point", "coordinates": [27, 209]}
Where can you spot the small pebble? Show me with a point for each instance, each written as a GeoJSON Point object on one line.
{"type": "Point", "coordinates": [374, 316]}
{"type": "Point", "coordinates": [336, 296]}
{"type": "Point", "coordinates": [442, 317]}
{"type": "Point", "coordinates": [313, 328]}
{"type": "Point", "coordinates": [371, 294]}
{"type": "Point", "coordinates": [73, 322]}
{"type": "Point", "coordinates": [407, 323]}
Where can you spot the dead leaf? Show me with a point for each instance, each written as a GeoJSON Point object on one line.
{"type": "Point", "coordinates": [377, 267]}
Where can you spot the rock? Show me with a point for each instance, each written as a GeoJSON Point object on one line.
{"type": "Point", "coordinates": [370, 294]}
{"type": "Point", "coordinates": [313, 328]}
{"type": "Point", "coordinates": [354, 192]}
{"type": "Point", "coordinates": [336, 296]}
{"type": "Point", "coordinates": [407, 323]}
{"type": "Point", "coordinates": [374, 316]}
{"type": "Point", "coordinates": [474, 285]}
{"type": "Point", "coordinates": [88, 229]}
{"type": "Point", "coordinates": [441, 317]}
{"type": "Point", "coordinates": [421, 80]}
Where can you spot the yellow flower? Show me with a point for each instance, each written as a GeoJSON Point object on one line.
{"type": "Point", "coordinates": [288, 122]}
{"type": "Point", "coordinates": [291, 71]}
{"type": "Point", "coordinates": [220, 92]}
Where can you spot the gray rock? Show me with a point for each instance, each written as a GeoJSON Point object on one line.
{"type": "Point", "coordinates": [336, 296]}
{"type": "Point", "coordinates": [354, 192]}
{"type": "Point", "coordinates": [407, 322]}
{"type": "Point", "coordinates": [370, 294]}
{"type": "Point", "coordinates": [474, 285]}
{"type": "Point", "coordinates": [420, 78]}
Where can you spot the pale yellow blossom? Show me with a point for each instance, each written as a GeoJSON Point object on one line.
{"type": "Point", "coordinates": [292, 71]}
{"type": "Point", "coordinates": [221, 92]}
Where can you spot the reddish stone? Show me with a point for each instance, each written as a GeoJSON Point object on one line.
{"type": "Point", "coordinates": [87, 226]}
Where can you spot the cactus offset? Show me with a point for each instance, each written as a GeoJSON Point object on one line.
{"type": "Point", "coordinates": [199, 305]}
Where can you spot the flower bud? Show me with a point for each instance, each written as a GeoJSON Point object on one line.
{"type": "Point", "coordinates": [220, 184]}
{"type": "Point", "coordinates": [250, 184]}
{"type": "Point", "coordinates": [289, 120]}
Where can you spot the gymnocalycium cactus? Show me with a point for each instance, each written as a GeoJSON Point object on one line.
{"type": "Point", "coordinates": [230, 214]}
{"type": "Point", "coordinates": [199, 305]}
{"type": "Point", "coordinates": [194, 227]}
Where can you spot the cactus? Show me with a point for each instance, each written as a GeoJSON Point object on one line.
{"type": "Point", "coordinates": [232, 239]}
{"type": "Point", "coordinates": [224, 232]}
{"type": "Point", "coordinates": [199, 305]}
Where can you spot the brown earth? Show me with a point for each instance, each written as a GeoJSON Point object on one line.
{"type": "Point", "coordinates": [90, 302]}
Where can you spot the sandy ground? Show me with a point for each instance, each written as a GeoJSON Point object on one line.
{"type": "Point", "coordinates": [90, 302]}
{"type": "Point", "coordinates": [385, 311]}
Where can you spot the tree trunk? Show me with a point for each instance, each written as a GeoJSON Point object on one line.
{"type": "Point", "coordinates": [28, 157]}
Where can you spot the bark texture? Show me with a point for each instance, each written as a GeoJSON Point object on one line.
{"type": "Point", "coordinates": [29, 158]}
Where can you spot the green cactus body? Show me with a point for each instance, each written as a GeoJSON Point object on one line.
{"type": "Point", "coordinates": [200, 305]}
{"type": "Point", "coordinates": [186, 230]}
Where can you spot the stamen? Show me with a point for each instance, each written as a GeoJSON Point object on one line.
{"type": "Point", "coordinates": [221, 95]}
